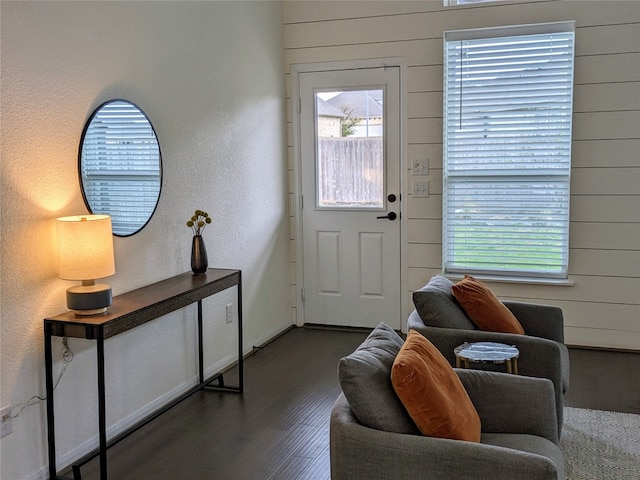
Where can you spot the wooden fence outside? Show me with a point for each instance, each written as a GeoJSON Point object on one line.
{"type": "Point", "coordinates": [351, 171]}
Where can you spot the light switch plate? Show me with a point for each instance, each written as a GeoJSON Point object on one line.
{"type": "Point", "coordinates": [420, 166]}
{"type": "Point", "coordinates": [420, 189]}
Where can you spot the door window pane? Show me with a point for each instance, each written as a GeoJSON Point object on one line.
{"type": "Point", "coordinates": [350, 149]}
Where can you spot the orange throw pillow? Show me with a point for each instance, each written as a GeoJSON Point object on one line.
{"type": "Point", "coordinates": [483, 308]}
{"type": "Point", "coordinates": [432, 393]}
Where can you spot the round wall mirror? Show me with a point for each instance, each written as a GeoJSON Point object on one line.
{"type": "Point", "coordinates": [120, 166]}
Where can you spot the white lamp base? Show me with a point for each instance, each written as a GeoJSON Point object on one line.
{"type": "Point", "coordinates": [89, 298]}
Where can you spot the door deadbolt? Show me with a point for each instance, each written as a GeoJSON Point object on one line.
{"type": "Point", "coordinates": [392, 197]}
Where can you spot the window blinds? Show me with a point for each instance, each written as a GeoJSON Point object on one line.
{"type": "Point", "coordinates": [120, 168]}
{"type": "Point", "coordinates": [507, 150]}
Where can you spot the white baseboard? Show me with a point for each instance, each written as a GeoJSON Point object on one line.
{"type": "Point", "coordinates": [262, 341]}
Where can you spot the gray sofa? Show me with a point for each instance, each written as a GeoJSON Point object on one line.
{"type": "Point", "coordinates": [371, 436]}
{"type": "Point", "coordinates": [440, 318]}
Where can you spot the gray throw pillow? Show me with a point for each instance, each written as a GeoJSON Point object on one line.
{"type": "Point", "coordinates": [365, 377]}
{"type": "Point", "coordinates": [437, 306]}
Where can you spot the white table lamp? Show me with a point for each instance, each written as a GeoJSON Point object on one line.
{"type": "Point", "coordinates": [85, 244]}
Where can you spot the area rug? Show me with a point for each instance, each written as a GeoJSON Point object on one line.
{"type": "Point", "coordinates": [600, 445]}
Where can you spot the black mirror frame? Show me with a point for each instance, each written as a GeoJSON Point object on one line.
{"type": "Point", "coordinates": [82, 138]}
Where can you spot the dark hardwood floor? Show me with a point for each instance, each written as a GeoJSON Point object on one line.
{"type": "Point", "coordinates": [278, 429]}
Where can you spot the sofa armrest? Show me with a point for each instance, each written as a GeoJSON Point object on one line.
{"type": "Point", "coordinates": [543, 321]}
{"type": "Point", "coordinates": [359, 452]}
{"type": "Point", "coordinates": [512, 403]}
{"type": "Point", "coordinates": [539, 357]}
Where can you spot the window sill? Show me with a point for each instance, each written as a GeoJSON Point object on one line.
{"type": "Point", "coordinates": [558, 282]}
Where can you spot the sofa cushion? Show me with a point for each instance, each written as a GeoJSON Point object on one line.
{"type": "Point", "coordinates": [482, 306]}
{"type": "Point", "coordinates": [432, 393]}
{"type": "Point", "coordinates": [365, 377]}
{"type": "Point", "coordinates": [437, 306]}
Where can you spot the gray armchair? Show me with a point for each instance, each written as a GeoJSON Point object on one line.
{"type": "Point", "coordinates": [520, 445]}
{"type": "Point", "coordinates": [440, 318]}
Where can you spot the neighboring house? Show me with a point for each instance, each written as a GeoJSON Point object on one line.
{"type": "Point", "coordinates": [365, 105]}
{"type": "Point", "coordinates": [329, 119]}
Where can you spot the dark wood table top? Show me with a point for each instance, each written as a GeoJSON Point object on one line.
{"type": "Point", "coordinates": [139, 306]}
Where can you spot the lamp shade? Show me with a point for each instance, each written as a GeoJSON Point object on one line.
{"type": "Point", "coordinates": [85, 244]}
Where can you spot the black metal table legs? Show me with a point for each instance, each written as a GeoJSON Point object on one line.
{"type": "Point", "coordinates": [97, 333]}
{"type": "Point", "coordinates": [102, 425]}
{"type": "Point", "coordinates": [208, 384]}
{"type": "Point", "coordinates": [102, 407]}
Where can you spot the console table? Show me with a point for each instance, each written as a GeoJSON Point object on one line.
{"type": "Point", "coordinates": [128, 311]}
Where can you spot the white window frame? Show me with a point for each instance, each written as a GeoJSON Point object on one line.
{"type": "Point", "coordinates": [477, 169]}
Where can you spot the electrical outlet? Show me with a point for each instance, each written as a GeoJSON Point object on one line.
{"type": "Point", "coordinates": [5, 424]}
{"type": "Point", "coordinates": [230, 313]}
{"type": "Point", "coordinates": [420, 166]}
{"type": "Point", "coordinates": [420, 189]}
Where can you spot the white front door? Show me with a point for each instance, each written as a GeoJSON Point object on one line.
{"type": "Point", "coordinates": [350, 162]}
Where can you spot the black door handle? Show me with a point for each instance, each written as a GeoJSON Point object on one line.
{"type": "Point", "coordinates": [390, 216]}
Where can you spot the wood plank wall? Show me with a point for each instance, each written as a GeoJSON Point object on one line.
{"type": "Point", "coordinates": [602, 306]}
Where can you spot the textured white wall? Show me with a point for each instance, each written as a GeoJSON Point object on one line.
{"type": "Point", "coordinates": [210, 77]}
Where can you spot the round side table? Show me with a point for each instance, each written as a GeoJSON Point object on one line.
{"type": "Point", "coordinates": [487, 352]}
